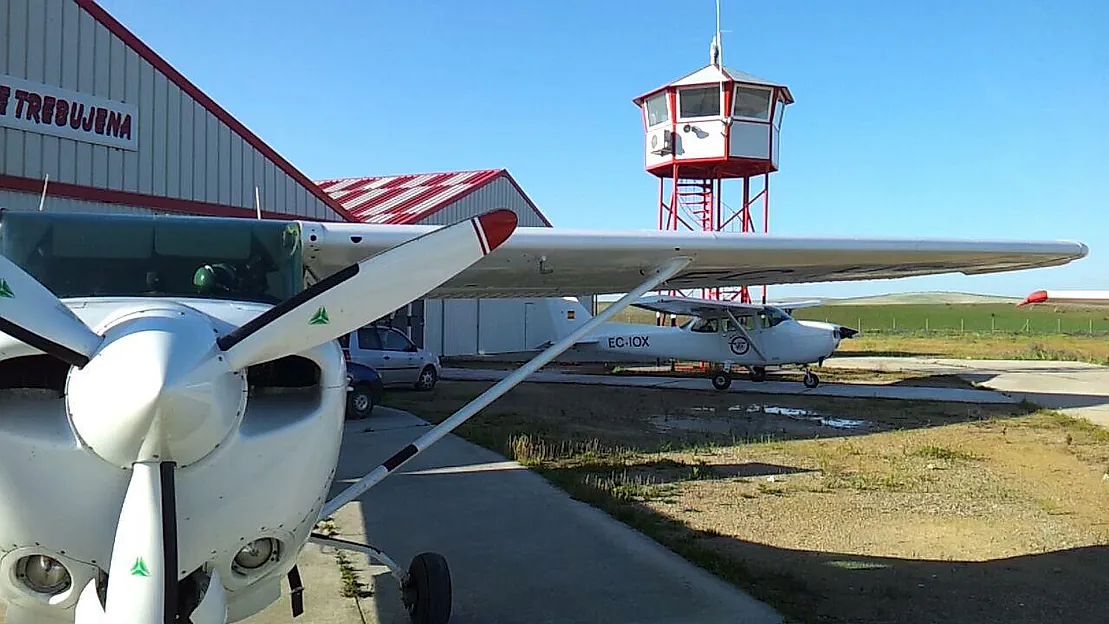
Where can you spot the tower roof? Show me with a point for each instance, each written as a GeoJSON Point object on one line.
{"type": "Point", "coordinates": [712, 74]}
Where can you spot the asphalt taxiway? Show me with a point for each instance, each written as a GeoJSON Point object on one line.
{"type": "Point", "coordinates": [739, 384]}
{"type": "Point", "coordinates": [520, 549]}
{"type": "Point", "coordinates": [1074, 388]}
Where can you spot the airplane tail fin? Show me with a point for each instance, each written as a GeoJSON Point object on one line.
{"type": "Point", "coordinates": [567, 314]}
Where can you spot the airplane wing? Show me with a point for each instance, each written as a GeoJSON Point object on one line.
{"type": "Point", "coordinates": [700, 308]}
{"type": "Point", "coordinates": [554, 262]}
{"type": "Point", "coordinates": [796, 305]}
{"type": "Point", "coordinates": [1096, 298]}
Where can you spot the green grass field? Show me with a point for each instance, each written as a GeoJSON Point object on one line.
{"type": "Point", "coordinates": [914, 318]}
{"type": "Point", "coordinates": [966, 317]}
{"type": "Point", "coordinates": [986, 331]}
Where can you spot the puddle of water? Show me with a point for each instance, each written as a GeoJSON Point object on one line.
{"type": "Point", "coordinates": [724, 425]}
{"type": "Point", "coordinates": [706, 425]}
{"type": "Point", "coordinates": [773, 409]}
{"type": "Point", "coordinates": [804, 414]}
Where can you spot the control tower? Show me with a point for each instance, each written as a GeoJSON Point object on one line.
{"type": "Point", "coordinates": [713, 125]}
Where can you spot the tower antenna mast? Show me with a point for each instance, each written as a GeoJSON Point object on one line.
{"type": "Point", "coordinates": [716, 51]}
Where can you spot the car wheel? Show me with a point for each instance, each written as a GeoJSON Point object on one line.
{"type": "Point", "coordinates": [428, 378]}
{"type": "Point", "coordinates": [360, 402]}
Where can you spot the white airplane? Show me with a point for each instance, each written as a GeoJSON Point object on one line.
{"type": "Point", "coordinates": [173, 388]}
{"type": "Point", "coordinates": [730, 333]}
{"type": "Point", "coordinates": [1096, 298]}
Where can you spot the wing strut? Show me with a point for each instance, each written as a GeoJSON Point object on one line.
{"type": "Point", "coordinates": [663, 273]}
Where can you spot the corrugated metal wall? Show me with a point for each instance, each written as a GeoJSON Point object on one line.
{"type": "Point", "coordinates": [500, 193]}
{"type": "Point", "coordinates": [184, 151]}
{"type": "Point", "coordinates": [14, 200]}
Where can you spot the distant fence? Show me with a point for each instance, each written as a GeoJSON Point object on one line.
{"type": "Point", "coordinates": [1043, 322]}
{"type": "Point", "coordinates": [943, 319]}
{"type": "Point", "coordinates": [974, 326]}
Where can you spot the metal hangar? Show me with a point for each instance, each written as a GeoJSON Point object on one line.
{"type": "Point", "coordinates": [93, 120]}
{"type": "Point", "coordinates": [454, 326]}
{"type": "Point", "coordinates": [116, 128]}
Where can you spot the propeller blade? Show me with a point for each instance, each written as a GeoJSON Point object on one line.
{"type": "Point", "coordinates": [366, 291]}
{"type": "Point", "coordinates": [142, 576]}
{"type": "Point", "coordinates": [32, 314]}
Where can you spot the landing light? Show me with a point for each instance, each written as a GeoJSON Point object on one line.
{"type": "Point", "coordinates": [256, 554]}
{"type": "Point", "coordinates": [43, 574]}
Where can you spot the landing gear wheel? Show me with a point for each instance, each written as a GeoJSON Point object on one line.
{"type": "Point", "coordinates": [721, 380]}
{"type": "Point", "coordinates": [758, 373]}
{"type": "Point", "coordinates": [427, 378]}
{"type": "Point", "coordinates": [811, 380]}
{"type": "Point", "coordinates": [427, 589]}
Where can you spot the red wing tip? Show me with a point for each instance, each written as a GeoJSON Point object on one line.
{"type": "Point", "coordinates": [498, 226]}
{"type": "Point", "coordinates": [1039, 296]}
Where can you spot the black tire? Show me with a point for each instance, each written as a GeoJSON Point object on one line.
{"type": "Point", "coordinates": [721, 381]}
{"type": "Point", "coordinates": [360, 402]}
{"type": "Point", "coordinates": [427, 590]}
{"type": "Point", "coordinates": [811, 380]}
{"type": "Point", "coordinates": [758, 373]}
{"type": "Point", "coordinates": [427, 379]}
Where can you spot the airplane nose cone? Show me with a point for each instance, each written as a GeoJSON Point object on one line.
{"type": "Point", "coordinates": [153, 392]}
{"type": "Point", "coordinates": [845, 332]}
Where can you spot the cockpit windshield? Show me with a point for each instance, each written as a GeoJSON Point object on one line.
{"type": "Point", "coordinates": [774, 316]}
{"type": "Point", "coordinates": [87, 255]}
{"type": "Point", "coordinates": [767, 317]}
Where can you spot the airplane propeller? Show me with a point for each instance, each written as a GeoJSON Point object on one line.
{"type": "Point", "coordinates": [32, 314]}
{"type": "Point", "coordinates": [350, 298]}
{"type": "Point", "coordinates": [154, 393]}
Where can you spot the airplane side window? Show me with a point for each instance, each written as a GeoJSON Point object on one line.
{"type": "Point", "coordinates": [705, 326]}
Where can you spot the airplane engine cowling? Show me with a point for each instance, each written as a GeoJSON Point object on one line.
{"type": "Point", "coordinates": [153, 391]}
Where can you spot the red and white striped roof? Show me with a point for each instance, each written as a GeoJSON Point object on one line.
{"type": "Point", "coordinates": [403, 199]}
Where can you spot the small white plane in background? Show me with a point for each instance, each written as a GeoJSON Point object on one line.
{"type": "Point", "coordinates": [729, 333]}
{"type": "Point", "coordinates": [1097, 298]}
{"type": "Point", "coordinates": [172, 391]}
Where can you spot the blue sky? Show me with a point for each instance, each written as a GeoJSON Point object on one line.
{"type": "Point", "coordinates": [979, 119]}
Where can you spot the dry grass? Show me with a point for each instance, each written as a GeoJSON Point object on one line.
{"type": "Point", "coordinates": [935, 512]}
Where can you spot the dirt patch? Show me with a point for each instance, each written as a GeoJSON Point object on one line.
{"type": "Point", "coordinates": [930, 512]}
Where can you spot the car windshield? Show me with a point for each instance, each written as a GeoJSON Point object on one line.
{"type": "Point", "coordinates": [87, 255]}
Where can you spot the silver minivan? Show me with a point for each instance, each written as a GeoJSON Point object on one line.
{"type": "Point", "coordinates": [396, 358]}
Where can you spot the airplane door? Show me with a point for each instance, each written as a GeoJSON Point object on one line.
{"type": "Point", "coordinates": [774, 342]}
{"type": "Point", "coordinates": [740, 345]}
